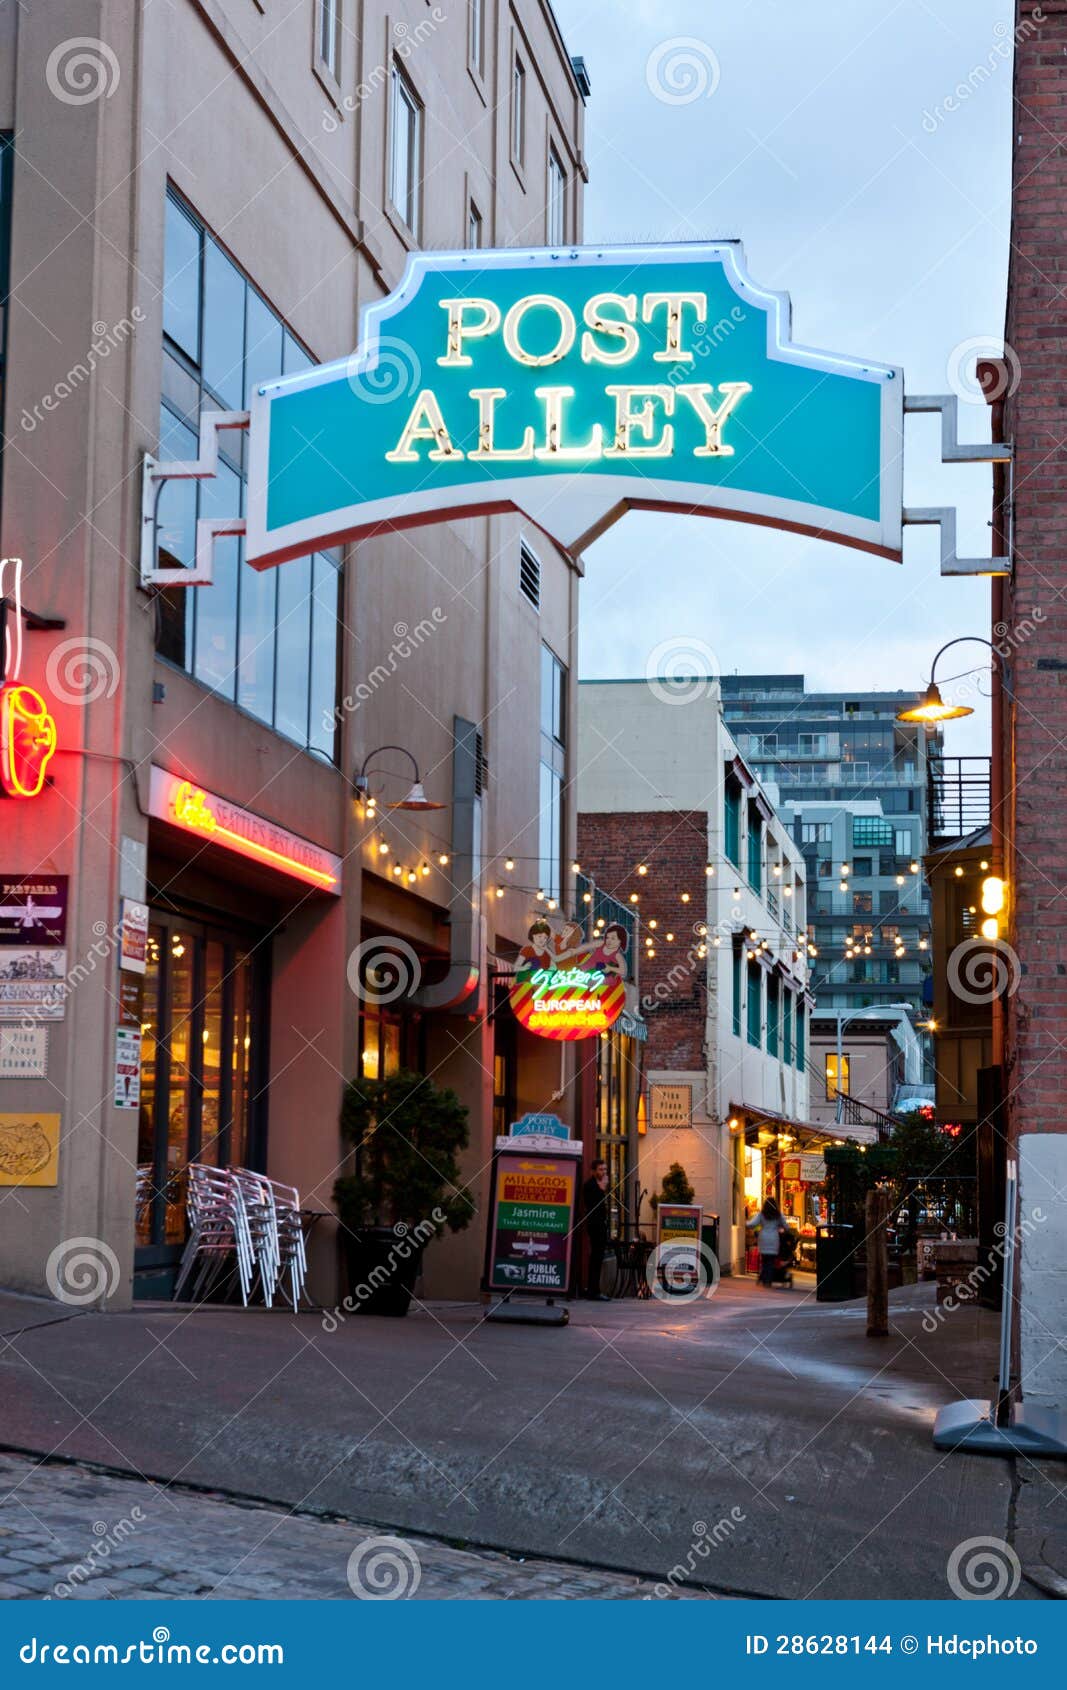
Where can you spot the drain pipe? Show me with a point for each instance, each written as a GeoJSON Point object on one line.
{"type": "Point", "coordinates": [463, 988]}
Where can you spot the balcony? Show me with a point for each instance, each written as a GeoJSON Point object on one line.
{"type": "Point", "coordinates": [957, 798]}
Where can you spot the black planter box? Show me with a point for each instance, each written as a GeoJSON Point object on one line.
{"type": "Point", "coordinates": [383, 1266]}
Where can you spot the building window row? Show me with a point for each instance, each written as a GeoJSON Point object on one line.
{"type": "Point", "coordinates": [267, 640]}
{"type": "Point", "coordinates": [774, 1023]}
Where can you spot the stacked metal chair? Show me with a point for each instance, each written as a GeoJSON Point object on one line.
{"type": "Point", "coordinates": [237, 1214]}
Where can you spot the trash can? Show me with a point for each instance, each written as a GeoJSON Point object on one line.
{"type": "Point", "coordinates": [835, 1273]}
{"type": "Point", "coordinates": [709, 1237]}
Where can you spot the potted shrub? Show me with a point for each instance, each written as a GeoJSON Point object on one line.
{"type": "Point", "coordinates": [406, 1133]}
{"type": "Point", "coordinates": [676, 1187]}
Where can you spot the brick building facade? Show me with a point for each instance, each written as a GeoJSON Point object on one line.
{"type": "Point", "coordinates": [1033, 808]}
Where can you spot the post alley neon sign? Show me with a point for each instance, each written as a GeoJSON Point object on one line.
{"type": "Point", "coordinates": [574, 385]}
{"type": "Point", "coordinates": [27, 740]}
{"type": "Point", "coordinates": [219, 822]}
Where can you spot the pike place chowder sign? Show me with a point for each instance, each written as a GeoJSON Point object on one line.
{"type": "Point", "coordinates": [574, 386]}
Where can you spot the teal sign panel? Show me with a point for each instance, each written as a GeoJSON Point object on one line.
{"type": "Point", "coordinates": [573, 386]}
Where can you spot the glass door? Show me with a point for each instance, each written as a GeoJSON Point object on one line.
{"type": "Point", "coordinates": [204, 992]}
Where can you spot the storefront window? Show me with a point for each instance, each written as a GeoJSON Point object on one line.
{"type": "Point", "coordinates": [267, 639]}
{"type": "Point", "coordinates": [381, 1044]}
{"type": "Point", "coordinates": [618, 1084]}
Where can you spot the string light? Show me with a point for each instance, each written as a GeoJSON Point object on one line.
{"type": "Point", "coordinates": [424, 870]}
{"type": "Point", "coordinates": [685, 897]}
{"type": "Point", "coordinates": [709, 868]}
{"type": "Point", "coordinates": [576, 868]}
{"type": "Point", "coordinates": [443, 859]}
{"type": "Point", "coordinates": [642, 868]}
{"type": "Point", "coordinates": [634, 898]}
{"type": "Point", "coordinates": [509, 863]}
{"type": "Point", "coordinates": [383, 849]}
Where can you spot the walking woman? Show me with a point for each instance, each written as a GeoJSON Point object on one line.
{"type": "Point", "coordinates": [772, 1231]}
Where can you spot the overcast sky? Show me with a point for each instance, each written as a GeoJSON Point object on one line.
{"type": "Point", "coordinates": [817, 134]}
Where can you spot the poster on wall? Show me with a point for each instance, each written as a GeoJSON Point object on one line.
{"type": "Point", "coordinates": [133, 950]}
{"type": "Point", "coordinates": [23, 1051]}
{"type": "Point", "coordinates": [29, 1149]}
{"type": "Point", "coordinates": [805, 1167]}
{"type": "Point", "coordinates": [33, 984]}
{"type": "Point", "coordinates": [532, 1220]}
{"type": "Point", "coordinates": [670, 1106]}
{"type": "Point", "coordinates": [567, 986]}
{"type": "Point", "coordinates": [127, 1068]}
{"type": "Point", "coordinates": [678, 1244]}
{"type": "Point", "coordinates": [33, 909]}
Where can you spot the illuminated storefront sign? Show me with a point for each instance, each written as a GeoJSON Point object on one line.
{"type": "Point", "coordinates": [573, 386]}
{"type": "Point", "coordinates": [566, 987]}
{"type": "Point", "coordinates": [27, 740]}
{"type": "Point", "coordinates": [219, 822]}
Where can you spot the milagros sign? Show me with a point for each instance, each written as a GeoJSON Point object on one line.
{"type": "Point", "coordinates": [574, 386]}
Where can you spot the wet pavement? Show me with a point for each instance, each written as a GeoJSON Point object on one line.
{"type": "Point", "coordinates": [756, 1443]}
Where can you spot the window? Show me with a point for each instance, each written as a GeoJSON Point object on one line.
{"type": "Point", "coordinates": [405, 164]}
{"type": "Point", "coordinates": [755, 1027]}
{"type": "Point", "coordinates": [816, 833]}
{"type": "Point", "coordinates": [557, 200]}
{"type": "Point", "coordinates": [755, 849]}
{"type": "Point", "coordinates": [862, 903]}
{"type": "Point", "coordinates": [787, 1026]}
{"type": "Point", "coordinates": [476, 36]}
{"type": "Point", "coordinates": [863, 866]}
{"type": "Point", "coordinates": [328, 36]}
{"type": "Point", "coordinates": [833, 1080]}
{"type": "Point", "coordinates": [736, 1001]}
{"type": "Point", "coordinates": [825, 868]}
{"type": "Point", "coordinates": [475, 228]}
{"type": "Point", "coordinates": [732, 823]}
{"type": "Point", "coordinates": [871, 830]}
{"type": "Point", "coordinates": [800, 1054]}
{"type": "Point", "coordinates": [518, 112]}
{"type": "Point", "coordinates": [530, 575]}
{"type": "Point", "coordinates": [902, 842]}
{"type": "Point", "coordinates": [773, 1012]}
{"type": "Point", "coordinates": [553, 769]}
{"type": "Point", "coordinates": [268, 641]}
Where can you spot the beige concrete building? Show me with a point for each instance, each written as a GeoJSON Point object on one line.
{"type": "Point", "coordinates": [199, 195]}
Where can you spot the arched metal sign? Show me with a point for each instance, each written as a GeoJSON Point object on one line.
{"type": "Point", "coordinates": [574, 386]}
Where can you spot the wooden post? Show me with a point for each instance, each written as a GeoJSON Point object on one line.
{"type": "Point", "coordinates": [877, 1214]}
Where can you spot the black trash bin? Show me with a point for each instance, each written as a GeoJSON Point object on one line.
{"type": "Point", "coordinates": [835, 1263]}
{"type": "Point", "coordinates": [709, 1238]}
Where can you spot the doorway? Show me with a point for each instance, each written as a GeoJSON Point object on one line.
{"type": "Point", "coordinates": [203, 1076]}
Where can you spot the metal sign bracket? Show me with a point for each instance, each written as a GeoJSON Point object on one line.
{"type": "Point", "coordinates": [154, 477]}
{"type": "Point", "coordinates": [953, 451]}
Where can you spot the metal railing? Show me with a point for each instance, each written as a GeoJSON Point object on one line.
{"type": "Point", "coordinates": [957, 797]}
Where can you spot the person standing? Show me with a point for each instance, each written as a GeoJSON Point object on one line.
{"type": "Point", "coordinates": [595, 1214]}
{"type": "Point", "coordinates": [772, 1231]}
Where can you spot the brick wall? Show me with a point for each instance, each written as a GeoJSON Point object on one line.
{"type": "Point", "coordinates": [1035, 732]}
{"type": "Point", "coordinates": [674, 845]}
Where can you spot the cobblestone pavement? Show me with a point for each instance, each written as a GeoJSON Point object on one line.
{"type": "Point", "coordinates": [69, 1533]}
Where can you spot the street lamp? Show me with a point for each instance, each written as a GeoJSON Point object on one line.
{"type": "Point", "coordinates": [932, 707]}
{"type": "Point", "coordinates": [416, 798]}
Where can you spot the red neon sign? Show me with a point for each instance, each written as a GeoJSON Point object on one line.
{"type": "Point", "coordinates": [567, 987]}
{"type": "Point", "coordinates": [191, 808]}
{"type": "Point", "coordinates": [27, 740]}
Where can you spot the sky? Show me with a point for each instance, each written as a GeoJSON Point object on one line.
{"type": "Point", "coordinates": [817, 133]}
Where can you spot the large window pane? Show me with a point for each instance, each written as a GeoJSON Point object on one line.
{"type": "Point", "coordinates": [294, 358]}
{"type": "Point", "coordinates": [216, 606]}
{"type": "Point", "coordinates": [255, 675]}
{"type": "Point", "coordinates": [224, 326]}
{"type": "Point", "coordinates": [181, 281]}
{"type": "Point", "coordinates": [551, 830]}
{"type": "Point", "coordinates": [176, 541]}
{"type": "Point", "coordinates": [322, 733]}
{"type": "Point", "coordinates": [263, 345]}
{"type": "Point", "coordinates": [294, 649]}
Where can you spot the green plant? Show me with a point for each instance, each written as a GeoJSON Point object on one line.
{"type": "Point", "coordinates": [676, 1187]}
{"type": "Point", "coordinates": [407, 1133]}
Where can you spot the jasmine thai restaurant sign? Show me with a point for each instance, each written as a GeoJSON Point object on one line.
{"type": "Point", "coordinates": [573, 386]}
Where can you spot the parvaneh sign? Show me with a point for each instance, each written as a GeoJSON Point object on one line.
{"type": "Point", "coordinates": [574, 386]}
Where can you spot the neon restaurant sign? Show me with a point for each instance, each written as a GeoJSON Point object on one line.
{"type": "Point", "coordinates": [567, 987]}
{"type": "Point", "coordinates": [574, 386]}
{"type": "Point", "coordinates": [216, 821]}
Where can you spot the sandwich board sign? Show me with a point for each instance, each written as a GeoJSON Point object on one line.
{"type": "Point", "coordinates": [573, 385]}
{"type": "Point", "coordinates": [532, 1217]}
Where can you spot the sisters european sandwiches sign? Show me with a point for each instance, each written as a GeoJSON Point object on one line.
{"type": "Point", "coordinates": [573, 386]}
